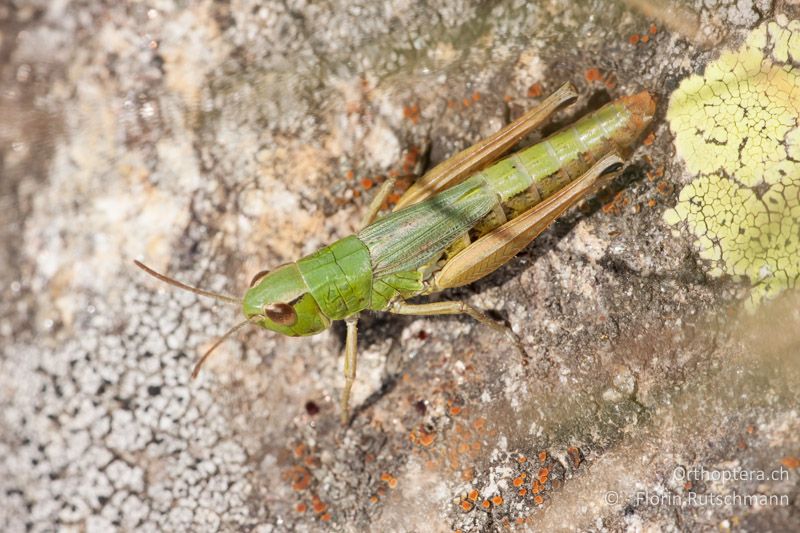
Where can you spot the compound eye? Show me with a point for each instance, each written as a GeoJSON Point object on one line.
{"type": "Point", "coordinates": [258, 277]}
{"type": "Point", "coordinates": [283, 314]}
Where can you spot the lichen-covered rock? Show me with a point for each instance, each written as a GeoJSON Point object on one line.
{"type": "Point", "coordinates": [216, 139]}
{"type": "Point", "coordinates": [738, 126]}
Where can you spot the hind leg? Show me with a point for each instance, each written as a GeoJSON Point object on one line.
{"type": "Point", "coordinates": [458, 308]}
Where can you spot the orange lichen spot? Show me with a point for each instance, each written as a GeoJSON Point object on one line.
{"type": "Point", "coordinates": [575, 456]}
{"type": "Point", "coordinates": [542, 456]}
{"type": "Point", "coordinates": [664, 187]}
{"type": "Point", "coordinates": [409, 160]}
{"type": "Point", "coordinates": [466, 102]}
{"type": "Point", "coordinates": [536, 487]}
{"type": "Point", "coordinates": [326, 517]}
{"type": "Point", "coordinates": [392, 483]}
{"type": "Point", "coordinates": [299, 450]}
{"type": "Point", "coordinates": [645, 39]}
{"type": "Point", "coordinates": [535, 90]}
{"type": "Point", "coordinates": [649, 139]}
{"type": "Point", "coordinates": [468, 474]}
{"type": "Point", "coordinates": [426, 439]}
{"type": "Point", "coordinates": [486, 504]}
{"type": "Point", "coordinates": [523, 491]}
{"type": "Point", "coordinates": [791, 462]}
{"type": "Point", "coordinates": [522, 459]}
{"type": "Point", "coordinates": [393, 198]}
{"type": "Point", "coordinates": [593, 74]}
{"type": "Point", "coordinates": [633, 39]}
{"type": "Point", "coordinates": [476, 96]}
{"type": "Point", "coordinates": [466, 506]}
{"type": "Point", "coordinates": [350, 174]}
{"type": "Point", "coordinates": [463, 447]}
{"type": "Point", "coordinates": [538, 500]}
{"type": "Point", "coordinates": [473, 495]}
{"type": "Point", "coordinates": [479, 423]}
{"type": "Point", "coordinates": [497, 500]}
{"type": "Point", "coordinates": [520, 520]}
{"type": "Point", "coordinates": [386, 476]}
{"type": "Point", "coordinates": [519, 480]}
{"type": "Point", "coordinates": [411, 112]}
{"type": "Point", "coordinates": [455, 410]}
{"type": "Point", "coordinates": [617, 204]}
{"type": "Point", "coordinates": [373, 499]}
{"type": "Point", "coordinates": [367, 183]}
{"type": "Point", "coordinates": [319, 506]}
{"type": "Point", "coordinates": [301, 507]}
{"type": "Point", "coordinates": [687, 486]}
{"type": "Point", "coordinates": [610, 208]}
{"type": "Point", "coordinates": [652, 202]}
{"type": "Point", "coordinates": [653, 29]}
{"type": "Point", "coordinates": [544, 472]}
{"type": "Point", "coordinates": [302, 479]}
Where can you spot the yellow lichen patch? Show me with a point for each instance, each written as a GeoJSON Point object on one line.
{"type": "Point", "coordinates": [743, 235]}
{"type": "Point", "coordinates": [742, 114]}
{"type": "Point", "coordinates": [738, 126]}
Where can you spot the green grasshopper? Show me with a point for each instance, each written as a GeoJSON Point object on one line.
{"type": "Point", "coordinates": [457, 224]}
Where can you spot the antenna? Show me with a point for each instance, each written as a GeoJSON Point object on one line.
{"type": "Point", "coordinates": [222, 339]}
{"type": "Point", "coordinates": [176, 283]}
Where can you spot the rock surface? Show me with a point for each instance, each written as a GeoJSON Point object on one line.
{"type": "Point", "coordinates": [215, 139]}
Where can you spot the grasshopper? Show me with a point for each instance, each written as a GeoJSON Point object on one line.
{"type": "Point", "coordinates": [458, 223]}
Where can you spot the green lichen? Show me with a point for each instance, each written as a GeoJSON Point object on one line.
{"type": "Point", "coordinates": [738, 128]}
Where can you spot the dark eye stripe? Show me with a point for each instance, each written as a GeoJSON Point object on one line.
{"type": "Point", "coordinates": [283, 314]}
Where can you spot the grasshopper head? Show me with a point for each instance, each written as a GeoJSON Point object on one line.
{"type": "Point", "coordinates": [282, 300]}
